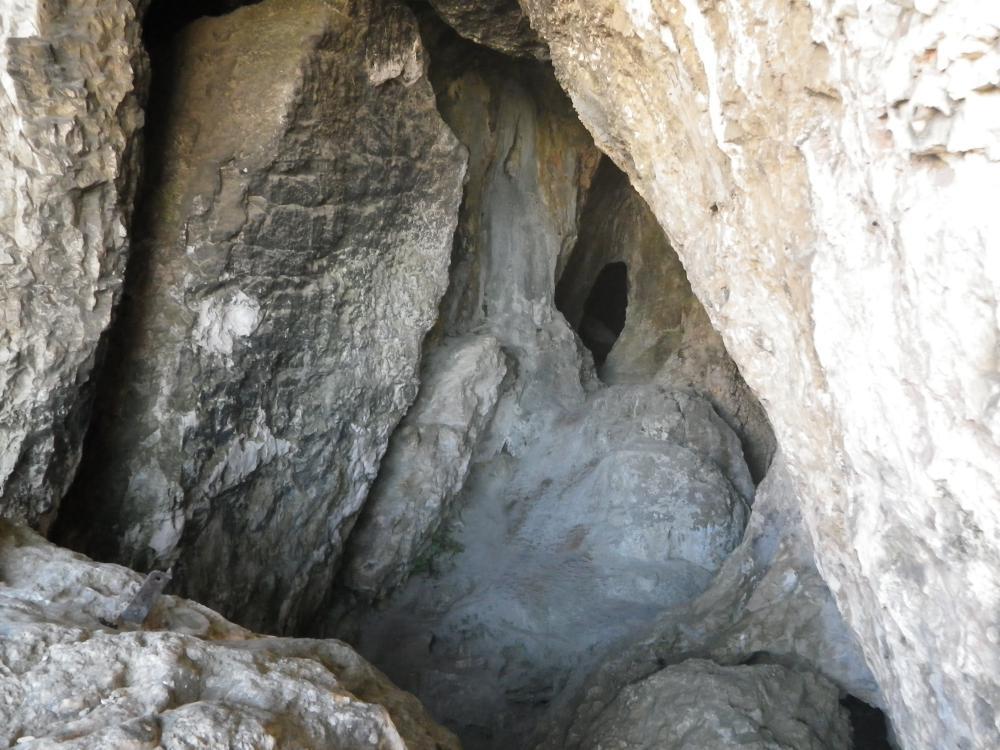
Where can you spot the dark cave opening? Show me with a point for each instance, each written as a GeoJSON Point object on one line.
{"type": "Point", "coordinates": [605, 310]}
{"type": "Point", "coordinates": [166, 17]}
{"type": "Point", "coordinates": [869, 730]}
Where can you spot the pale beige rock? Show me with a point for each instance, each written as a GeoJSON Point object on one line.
{"type": "Point", "coordinates": [72, 74]}
{"type": "Point", "coordinates": [827, 172]}
{"type": "Point", "coordinates": [188, 679]}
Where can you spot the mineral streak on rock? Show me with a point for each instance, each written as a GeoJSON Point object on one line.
{"type": "Point", "coordinates": [291, 259]}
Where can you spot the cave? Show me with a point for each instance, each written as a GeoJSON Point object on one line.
{"type": "Point", "coordinates": [407, 375]}
{"type": "Point", "coordinates": [604, 311]}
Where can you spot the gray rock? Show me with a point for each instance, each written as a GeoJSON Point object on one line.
{"type": "Point", "coordinates": [557, 553]}
{"type": "Point", "coordinates": [291, 259]}
{"type": "Point", "coordinates": [73, 75]}
{"type": "Point", "coordinates": [699, 705]}
{"type": "Point", "coordinates": [190, 679]}
{"type": "Point", "coordinates": [767, 601]}
{"type": "Point", "coordinates": [667, 336]}
{"type": "Point", "coordinates": [498, 24]}
{"type": "Point", "coordinates": [426, 463]}
{"type": "Point", "coordinates": [827, 173]}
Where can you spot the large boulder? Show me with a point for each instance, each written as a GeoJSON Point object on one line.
{"type": "Point", "coordinates": [292, 253]}
{"type": "Point", "coordinates": [767, 601]}
{"type": "Point", "coordinates": [188, 678]}
{"type": "Point", "coordinates": [624, 508]}
{"type": "Point", "coordinates": [699, 705]}
{"type": "Point", "coordinates": [73, 75]}
{"type": "Point", "coordinates": [426, 464]}
{"type": "Point", "coordinates": [827, 173]}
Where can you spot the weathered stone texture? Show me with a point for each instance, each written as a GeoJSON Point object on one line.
{"type": "Point", "coordinates": [827, 172]}
{"type": "Point", "coordinates": [699, 705]}
{"type": "Point", "coordinates": [499, 24]}
{"type": "Point", "coordinates": [667, 335]}
{"type": "Point", "coordinates": [768, 598]}
{"type": "Point", "coordinates": [426, 464]}
{"type": "Point", "coordinates": [71, 73]}
{"type": "Point", "coordinates": [189, 679]}
{"type": "Point", "coordinates": [291, 258]}
{"type": "Point", "coordinates": [587, 509]}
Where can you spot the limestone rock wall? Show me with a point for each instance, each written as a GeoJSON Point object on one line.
{"type": "Point", "coordinates": [72, 75]}
{"type": "Point", "coordinates": [827, 172]}
{"type": "Point", "coordinates": [189, 678]}
{"type": "Point", "coordinates": [290, 259]}
{"type": "Point", "coordinates": [426, 464]}
{"type": "Point", "coordinates": [667, 335]}
{"type": "Point", "coordinates": [582, 511]}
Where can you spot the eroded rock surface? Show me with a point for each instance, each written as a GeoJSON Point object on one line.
{"type": "Point", "coordinates": [188, 679]}
{"type": "Point", "coordinates": [499, 24]}
{"type": "Point", "coordinates": [426, 464]}
{"type": "Point", "coordinates": [768, 601]}
{"type": "Point", "coordinates": [576, 542]}
{"type": "Point", "coordinates": [666, 336]}
{"type": "Point", "coordinates": [698, 705]}
{"type": "Point", "coordinates": [71, 76]}
{"type": "Point", "coordinates": [587, 509]}
{"type": "Point", "coordinates": [292, 257]}
{"type": "Point", "coordinates": [826, 173]}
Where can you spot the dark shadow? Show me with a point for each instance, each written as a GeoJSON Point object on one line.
{"type": "Point", "coordinates": [868, 727]}
{"type": "Point", "coordinates": [605, 310]}
{"type": "Point", "coordinates": [84, 524]}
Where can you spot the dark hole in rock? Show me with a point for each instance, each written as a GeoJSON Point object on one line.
{"type": "Point", "coordinates": [605, 310]}
{"type": "Point", "coordinates": [166, 17]}
{"type": "Point", "coordinates": [868, 726]}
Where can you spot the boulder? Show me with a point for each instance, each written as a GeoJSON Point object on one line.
{"type": "Point", "coordinates": [188, 678]}
{"type": "Point", "coordinates": [290, 259]}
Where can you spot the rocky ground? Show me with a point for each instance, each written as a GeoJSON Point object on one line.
{"type": "Point", "coordinates": [610, 374]}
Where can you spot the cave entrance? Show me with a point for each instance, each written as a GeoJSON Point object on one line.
{"type": "Point", "coordinates": [605, 310]}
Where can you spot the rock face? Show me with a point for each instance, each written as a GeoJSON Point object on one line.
{"type": "Point", "coordinates": [768, 599]}
{"type": "Point", "coordinates": [826, 173]}
{"type": "Point", "coordinates": [69, 118]}
{"type": "Point", "coordinates": [291, 258]}
{"type": "Point", "coordinates": [699, 704]}
{"type": "Point", "coordinates": [499, 24]}
{"type": "Point", "coordinates": [587, 509]}
{"type": "Point", "coordinates": [576, 542]}
{"type": "Point", "coordinates": [190, 678]}
{"type": "Point", "coordinates": [426, 464]}
{"type": "Point", "coordinates": [666, 336]}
